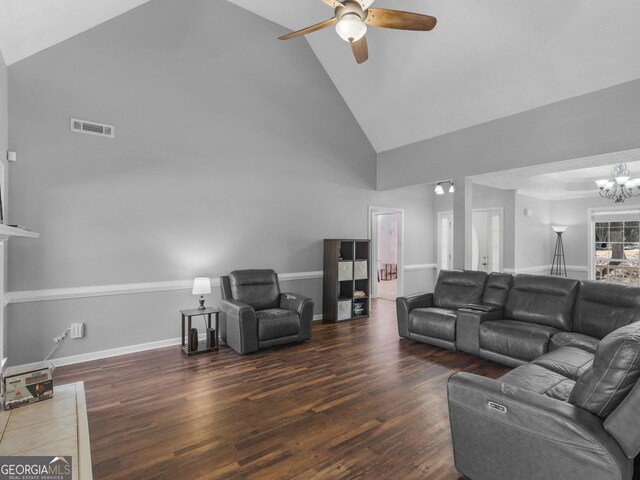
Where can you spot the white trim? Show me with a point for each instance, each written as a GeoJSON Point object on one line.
{"type": "Point", "coordinates": [539, 268]}
{"type": "Point", "coordinates": [84, 443]}
{"type": "Point", "coordinates": [422, 266]}
{"type": "Point", "coordinates": [374, 211]}
{"type": "Point", "coordinates": [115, 352]}
{"type": "Point", "coordinates": [27, 296]}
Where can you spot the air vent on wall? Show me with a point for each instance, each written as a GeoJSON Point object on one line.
{"type": "Point", "coordinates": [92, 128]}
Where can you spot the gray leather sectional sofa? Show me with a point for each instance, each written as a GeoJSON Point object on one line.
{"type": "Point", "coordinates": [571, 407]}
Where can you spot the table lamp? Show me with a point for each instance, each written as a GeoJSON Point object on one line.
{"type": "Point", "coordinates": [201, 286]}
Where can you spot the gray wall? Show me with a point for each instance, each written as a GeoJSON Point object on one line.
{"type": "Point", "coordinates": [4, 119]}
{"type": "Point", "coordinates": [232, 150]}
{"type": "Point", "coordinates": [601, 122]}
{"type": "Point", "coordinates": [534, 238]}
{"type": "Point", "coordinates": [4, 142]}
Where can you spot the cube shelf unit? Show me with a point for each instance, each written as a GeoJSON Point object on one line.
{"type": "Point", "coordinates": [347, 269]}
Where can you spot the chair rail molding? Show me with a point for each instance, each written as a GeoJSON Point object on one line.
{"type": "Point", "coordinates": [420, 266]}
{"type": "Point", "coordinates": [27, 296]}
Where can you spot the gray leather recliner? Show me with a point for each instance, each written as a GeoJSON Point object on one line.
{"type": "Point", "coordinates": [254, 314]}
{"type": "Point", "coordinates": [568, 415]}
{"type": "Point", "coordinates": [431, 317]}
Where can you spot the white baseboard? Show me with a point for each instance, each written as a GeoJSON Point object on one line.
{"type": "Point", "coordinates": [115, 352]}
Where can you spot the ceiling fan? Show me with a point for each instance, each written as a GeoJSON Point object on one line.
{"type": "Point", "coordinates": [353, 16]}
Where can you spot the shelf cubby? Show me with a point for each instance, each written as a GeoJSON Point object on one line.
{"type": "Point", "coordinates": [347, 269]}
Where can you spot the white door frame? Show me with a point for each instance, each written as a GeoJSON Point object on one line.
{"type": "Point", "coordinates": [373, 236]}
{"type": "Point", "coordinates": [440, 216]}
{"type": "Point", "coordinates": [500, 212]}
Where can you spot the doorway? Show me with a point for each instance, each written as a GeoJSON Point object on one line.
{"type": "Point", "coordinates": [387, 257]}
{"type": "Point", "coordinates": [386, 227]}
{"type": "Point", "coordinates": [486, 247]}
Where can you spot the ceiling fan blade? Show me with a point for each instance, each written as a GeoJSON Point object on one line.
{"type": "Point", "coordinates": [365, 3]}
{"type": "Point", "coordinates": [311, 29]}
{"type": "Point", "coordinates": [332, 3]}
{"type": "Point", "coordinates": [381, 17]}
{"type": "Point", "coordinates": [360, 50]}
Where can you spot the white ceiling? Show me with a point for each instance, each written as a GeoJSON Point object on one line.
{"type": "Point", "coordinates": [562, 180]}
{"type": "Point", "coordinates": [29, 26]}
{"type": "Point", "coordinates": [484, 60]}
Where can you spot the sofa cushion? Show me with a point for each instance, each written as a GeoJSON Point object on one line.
{"type": "Point", "coordinates": [258, 288]}
{"type": "Point", "coordinates": [570, 339]}
{"type": "Point", "coordinates": [434, 323]}
{"type": "Point", "coordinates": [458, 288]}
{"type": "Point", "coordinates": [569, 362]}
{"type": "Point", "coordinates": [497, 288]}
{"type": "Point", "coordinates": [277, 323]}
{"type": "Point", "coordinates": [614, 372]}
{"type": "Point", "coordinates": [603, 307]}
{"type": "Point", "coordinates": [543, 300]}
{"type": "Point", "coordinates": [538, 379]}
{"type": "Point", "coordinates": [522, 340]}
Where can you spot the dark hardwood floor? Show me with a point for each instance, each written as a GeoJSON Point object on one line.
{"type": "Point", "coordinates": [357, 401]}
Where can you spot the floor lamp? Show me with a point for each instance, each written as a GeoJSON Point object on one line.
{"type": "Point", "coordinates": [558, 266]}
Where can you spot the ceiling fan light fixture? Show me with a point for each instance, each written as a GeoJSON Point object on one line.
{"type": "Point", "coordinates": [351, 28]}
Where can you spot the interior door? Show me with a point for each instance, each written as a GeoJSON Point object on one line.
{"type": "Point", "coordinates": [480, 252]}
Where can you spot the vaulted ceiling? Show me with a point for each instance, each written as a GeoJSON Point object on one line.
{"type": "Point", "coordinates": [29, 26]}
{"type": "Point", "coordinates": [484, 60]}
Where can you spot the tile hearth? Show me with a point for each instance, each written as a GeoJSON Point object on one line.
{"type": "Point", "coordinates": [55, 427]}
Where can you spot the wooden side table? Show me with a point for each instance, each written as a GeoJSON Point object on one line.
{"type": "Point", "coordinates": [202, 346]}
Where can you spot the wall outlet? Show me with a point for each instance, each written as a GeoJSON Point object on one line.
{"type": "Point", "coordinates": [77, 330]}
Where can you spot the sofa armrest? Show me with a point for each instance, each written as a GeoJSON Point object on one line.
{"type": "Point", "coordinates": [468, 327]}
{"type": "Point", "coordinates": [404, 305]}
{"type": "Point", "coordinates": [503, 432]}
{"type": "Point", "coordinates": [303, 306]}
{"type": "Point", "coordinates": [240, 327]}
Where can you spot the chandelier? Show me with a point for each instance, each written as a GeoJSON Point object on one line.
{"type": "Point", "coordinates": [619, 186]}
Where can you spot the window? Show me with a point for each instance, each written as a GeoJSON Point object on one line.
{"type": "Point", "coordinates": [616, 249]}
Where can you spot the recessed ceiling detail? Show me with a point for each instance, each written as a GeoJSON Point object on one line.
{"type": "Point", "coordinates": [561, 180]}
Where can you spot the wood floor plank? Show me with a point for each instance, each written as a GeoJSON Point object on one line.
{"type": "Point", "coordinates": [356, 402]}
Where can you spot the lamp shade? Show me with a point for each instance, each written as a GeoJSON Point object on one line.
{"type": "Point", "coordinates": [201, 286]}
{"type": "Point", "coordinates": [439, 190]}
{"type": "Point", "coordinates": [559, 228]}
{"type": "Point", "coordinates": [351, 28]}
